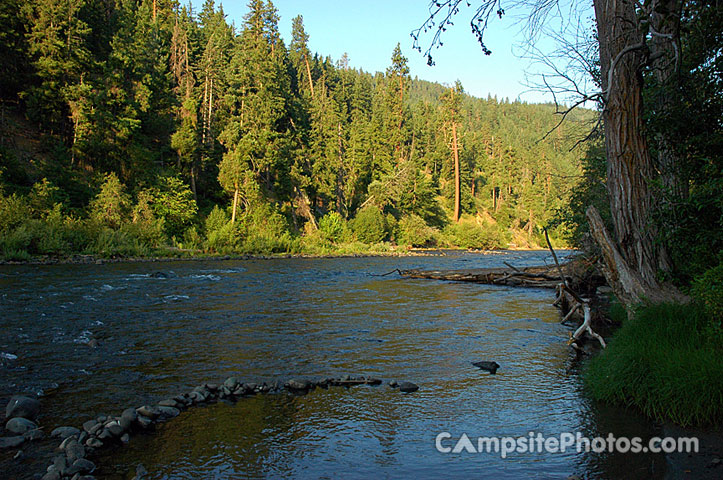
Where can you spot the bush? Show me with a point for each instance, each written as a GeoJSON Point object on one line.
{"type": "Point", "coordinates": [264, 230]}
{"type": "Point", "coordinates": [14, 210]}
{"type": "Point", "coordinates": [708, 290]}
{"type": "Point", "coordinates": [221, 236]}
{"type": "Point", "coordinates": [467, 234]}
{"type": "Point", "coordinates": [172, 201]}
{"type": "Point", "coordinates": [110, 207]}
{"type": "Point", "coordinates": [413, 230]}
{"type": "Point", "coordinates": [664, 362]}
{"type": "Point", "coordinates": [332, 226]}
{"type": "Point", "coordinates": [122, 242]}
{"type": "Point", "coordinates": [146, 226]}
{"type": "Point", "coordinates": [369, 225]}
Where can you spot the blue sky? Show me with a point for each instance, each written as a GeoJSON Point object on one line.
{"type": "Point", "coordinates": [369, 30]}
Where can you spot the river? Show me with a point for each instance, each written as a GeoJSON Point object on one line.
{"type": "Point", "coordinates": [266, 320]}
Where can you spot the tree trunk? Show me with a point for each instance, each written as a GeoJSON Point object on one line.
{"type": "Point", "coordinates": [630, 167]}
{"type": "Point", "coordinates": [235, 203]}
{"type": "Point", "coordinates": [308, 74]}
{"type": "Point", "coordinates": [457, 184]}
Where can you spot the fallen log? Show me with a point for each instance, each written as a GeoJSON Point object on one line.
{"type": "Point", "coordinates": [537, 277]}
{"type": "Point", "coordinates": [567, 279]}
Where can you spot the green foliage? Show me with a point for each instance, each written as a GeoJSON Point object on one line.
{"type": "Point", "coordinates": [265, 230]}
{"type": "Point", "coordinates": [413, 231]}
{"type": "Point", "coordinates": [165, 98]}
{"type": "Point", "coordinates": [173, 203]}
{"type": "Point", "coordinates": [468, 234]}
{"type": "Point", "coordinates": [145, 224]}
{"type": "Point", "coordinates": [708, 290]}
{"type": "Point", "coordinates": [111, 206]}
{"type": "Point", "coordinates": [14, 210]}
{"type": "Point", "coordinates": [664, 362]}
{"type": "Point", "coordinates": [333, 227]}
{"type": "Point", "coordinates": [44, 196]}
{"type": "Point", "coordinates": [221, 236]}
{"type": "Point", "coordinates": [369, 225]}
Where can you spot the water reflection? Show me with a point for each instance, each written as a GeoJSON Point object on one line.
{"type": "Point", "coordinates": [269, 320]}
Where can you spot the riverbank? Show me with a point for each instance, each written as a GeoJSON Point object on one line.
{"type": "Point", "coordinates": [186, 255]}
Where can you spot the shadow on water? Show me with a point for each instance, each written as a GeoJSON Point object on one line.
{"type": "Point", "coordinates": [277, 319]}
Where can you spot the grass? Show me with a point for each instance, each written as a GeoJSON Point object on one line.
{"type": "Point", "coordinates": [666, 361]}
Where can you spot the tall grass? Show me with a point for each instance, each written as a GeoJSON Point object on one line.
{"type": "Point", "coordinates": [666, 361]}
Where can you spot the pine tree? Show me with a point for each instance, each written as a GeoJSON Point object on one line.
{"type": "Point", "coordinates": [451, 107]}
{"type": "Point", "coordinates": [257, 102]}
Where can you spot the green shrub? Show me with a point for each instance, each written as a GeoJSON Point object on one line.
{"type": "Point", "coordinates": [192, 239]}
{"type": "Point", "coordinates": [221, 235]}
{"type": "Point", "coordinates": [111, 206]}
{"type": "Point", "coordinates": [413, 230]}
{"type": "Point", "coordinates": [44, 196]}
{"type": "Point", "coordinates": [332, 226]}
{"type": "Point", "coordinates": [467, 234]}
{"type": "Point", "coordinates": [122, 242]}
{"type": "Point", "coordinates": [369, 225]}
{"type": "Point", "coordinates": [264, 230]}
{"type": "Point", "coordinates": [14, 210]}
{"type": "Point", "coordinates": [664, 362]}
{"type": "Point", "coordinates": [708, 290]}
{"type": "Point", "coordinates": [172, 201]}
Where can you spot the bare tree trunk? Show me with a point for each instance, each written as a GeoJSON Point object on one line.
{"type": "Point", "coordinates": [308, 74]}
{"type": "Point", "coordinates": [193, 182]}
{"type": "Point", "coordinates": [203, 110]}
{"type": "Point", "coordinates": [235, 203]}
{"type": "Point", "coordinates": [630, 167]}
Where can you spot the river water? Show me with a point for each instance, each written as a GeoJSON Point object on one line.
{"type": "Point", "coordinates": [266, 320]}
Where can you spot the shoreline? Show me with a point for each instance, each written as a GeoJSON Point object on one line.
{"type": "Point", "coordinates": [100, 260]}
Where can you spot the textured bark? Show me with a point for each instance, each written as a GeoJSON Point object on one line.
{"type": "Point", "coordinates": [627, 283]}
{"type": "Point", "coordinates": [630, 166]}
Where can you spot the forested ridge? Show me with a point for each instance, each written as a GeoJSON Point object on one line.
{"type": "Point", "coordinates": [132, 126]}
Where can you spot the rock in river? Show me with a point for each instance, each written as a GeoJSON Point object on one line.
{"type": "Point", "coordinates": [64, 432]}
{"type": "Point", "coordinates": [408, 387]}
{"type": "Point", "coordinates": [489, 366]}
{"type": "Point", "coordinates": [11, 442]}
{"type": "Point", "coordinates": [20, 425]}
{"type": "Point", "coordinates": [295, 384]}
{"type": "Point", "coordinates": [23, 407]}
{"type": "Point", "coordinates": [127, 418]}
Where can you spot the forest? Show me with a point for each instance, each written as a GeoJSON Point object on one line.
{"type": "Point", "coordinates": [137, 128]}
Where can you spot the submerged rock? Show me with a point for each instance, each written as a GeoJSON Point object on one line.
{"type": "Point", "coordinates": [168, 412]}
{"type": "Point", "coordinates": [11, 442]}
{"type": "Point", "coordinates": [148, 411]}
{"type": "Point", "coordinates": [81, 465]}
{"type": "Point", "coordinates": [231, 383]}
{"type": "Point", "coordinates": [33, 435]}
{"type": "Point", "coordinates": [20, 425]}
{"type": "Point", "coordinates": [295, 384]}
{"type": "Point", "coordinates": [74, 451]}
{"type": "Point", "coordinates": [64, 432]}
{"type": "Point", "coordinates": [128, 417]}
{"type": "Point", "coordinates": [408, 387]}
{"type": "Point", "coordinates": [89, 426]}
{"type": "Point", "coordinates": [22, 407]}
{"type": "Point", "coordinates": [489, 366]}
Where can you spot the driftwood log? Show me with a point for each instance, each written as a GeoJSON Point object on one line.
{"type": "Point", "coordinates": [567, 279]}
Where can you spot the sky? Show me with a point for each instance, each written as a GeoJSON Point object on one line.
{"type": "Point", "coordinates": [367, 31]}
